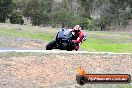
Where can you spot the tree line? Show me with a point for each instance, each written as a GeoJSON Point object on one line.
{"type": "Point", "coordinates": [90, 14]}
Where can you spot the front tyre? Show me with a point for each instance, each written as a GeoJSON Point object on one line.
{"type": "Point", "coordinates": [51, 45]}
{"type": "Point", "coordinates": [69, 49]}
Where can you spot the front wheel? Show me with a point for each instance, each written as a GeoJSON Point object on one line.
{"type": "Point", "coordinates": [69, 49]}
{"type": "Point", "coordinates": [51, 45]}
{"type": "Point", "coordinates": [72, 46]}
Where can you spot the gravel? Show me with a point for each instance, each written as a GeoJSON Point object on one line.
{"type": "Point", "coordinates": [59, 70]}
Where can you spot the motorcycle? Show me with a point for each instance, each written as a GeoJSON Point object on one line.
{"type": "Point", "coordinates": [63, 41]}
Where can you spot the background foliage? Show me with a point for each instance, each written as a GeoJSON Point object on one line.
{"type": "Point", "coordinates": [90, 14]}
{"type": "Point", "coordinates": [16, 18]}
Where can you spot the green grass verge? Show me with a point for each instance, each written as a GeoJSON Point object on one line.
{"type": "Point", "coordinates": [96, 42]}
{"type": "Point", "coordinates": [100, 45]}
{"type": "Point", "coordinates": [42, 36]}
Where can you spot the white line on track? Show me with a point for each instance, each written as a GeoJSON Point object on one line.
{"type": "Point", "coordinates": [59, 51]}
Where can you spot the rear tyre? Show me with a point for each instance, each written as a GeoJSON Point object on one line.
{"type": "Point", "coordinates": [51, 45]}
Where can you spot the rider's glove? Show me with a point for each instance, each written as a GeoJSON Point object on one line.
{"type": "Point", "coordinates": [74, 41]}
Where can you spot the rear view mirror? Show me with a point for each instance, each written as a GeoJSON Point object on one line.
{"type": "Point", "coordinates": [85, 37]}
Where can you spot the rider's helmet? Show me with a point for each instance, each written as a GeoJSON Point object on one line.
{"type": "Point", "coordinates": [77, 29]}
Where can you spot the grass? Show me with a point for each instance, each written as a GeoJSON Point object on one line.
{"type": "Point", "coordinates": [96, 42]}
{"type": "Point", "coordinates": [107, 45]}
{"type": "Point", "coordinates": [117, 48]}
{"type": "Point", "coordinates": [42, 36]}
{"type": "Point", "coordinates": [110, 42]}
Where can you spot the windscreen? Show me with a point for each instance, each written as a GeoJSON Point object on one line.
{"type": "Point", "coordinates": [65, 34]}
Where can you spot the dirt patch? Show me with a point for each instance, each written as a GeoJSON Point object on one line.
{"type": "Point", "coordinates": [59, 70]}
{"type": "Point", "coordinates": [13, 42]}
{"type": "Point", "coordinates": [31, 43]}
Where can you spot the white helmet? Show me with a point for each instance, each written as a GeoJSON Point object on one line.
{"type": "Point", "coordinates": [77, 28]}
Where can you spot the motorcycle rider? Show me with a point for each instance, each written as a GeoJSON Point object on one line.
{"type": "Point", "coordinates": [78, 36]}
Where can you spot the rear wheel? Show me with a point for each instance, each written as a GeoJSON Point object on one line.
{"type": "Point", "coordinates": [51, 45]}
